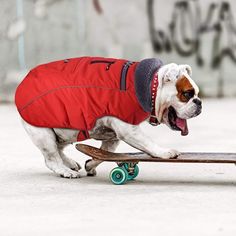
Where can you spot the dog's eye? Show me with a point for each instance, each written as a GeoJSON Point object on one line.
{"type": "Point", "coordinates": [188, 94]}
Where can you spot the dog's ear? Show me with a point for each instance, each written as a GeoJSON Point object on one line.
{"type": "Point", "coordinates": [185, 69]}
{"type": "Point", "coordinates": [170, 72]}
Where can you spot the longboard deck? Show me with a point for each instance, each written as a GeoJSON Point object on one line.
{"type": "Point", "coordinates": [186, 157]}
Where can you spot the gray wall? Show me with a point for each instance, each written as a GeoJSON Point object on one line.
{"type": "Point", "coordinates": [200, 33]}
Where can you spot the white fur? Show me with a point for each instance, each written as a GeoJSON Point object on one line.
{"type": "Point", "coordinates": [52, 141]}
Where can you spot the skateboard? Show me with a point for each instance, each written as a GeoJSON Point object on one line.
{"type": "Point", "coordinates": [128, 162]}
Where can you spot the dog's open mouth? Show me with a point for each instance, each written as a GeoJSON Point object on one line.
{"type": "Point", "coordinates": [177, 123]}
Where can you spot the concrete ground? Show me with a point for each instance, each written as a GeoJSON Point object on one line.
{"type": "Point", "coordinates": [165, 199]}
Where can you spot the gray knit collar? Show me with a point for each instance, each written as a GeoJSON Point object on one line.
{"type": "Point", "coordinates": [144, 73]}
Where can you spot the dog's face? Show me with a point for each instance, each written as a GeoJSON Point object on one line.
{"type": "Point", "coordinates": [178, 97]}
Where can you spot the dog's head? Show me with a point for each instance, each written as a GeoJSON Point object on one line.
{"type": "Point", "coordinates": [177, 98]}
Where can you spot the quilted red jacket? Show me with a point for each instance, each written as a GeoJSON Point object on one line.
{"type": "Point", "coordinates": [74, 93]}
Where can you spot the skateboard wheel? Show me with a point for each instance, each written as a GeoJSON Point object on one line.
{"type": "Point", "coordinates": [118, 176]}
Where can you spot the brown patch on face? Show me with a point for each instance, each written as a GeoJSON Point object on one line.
{"type": "Point", "coordinates": [184, 88]}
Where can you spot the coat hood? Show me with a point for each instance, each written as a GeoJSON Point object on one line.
{"type": "Point", "coordinates": [144, 73]}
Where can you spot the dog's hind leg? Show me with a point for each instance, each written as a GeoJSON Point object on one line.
{"type": "Point", "coordinates": [45, 140]}
{"type": "Point", "coordinates": [90, 165]}
{"type": "Point", "coordinates": [73, 165]}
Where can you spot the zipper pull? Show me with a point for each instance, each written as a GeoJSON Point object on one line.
{"type": "Point", "coordinates": [108, 65]}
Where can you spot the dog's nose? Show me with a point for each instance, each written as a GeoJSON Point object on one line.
{"type": "Point", "coordinates": [197, 101]}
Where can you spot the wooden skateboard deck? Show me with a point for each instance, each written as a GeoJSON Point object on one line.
{"type": "Point", "coordinates": [186, 157]}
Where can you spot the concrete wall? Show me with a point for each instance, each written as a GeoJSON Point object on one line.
{"type": "Point", "coordinates": [200, 33]}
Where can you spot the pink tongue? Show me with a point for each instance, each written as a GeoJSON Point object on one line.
{"type": "Point", "coordinates": [182, 124]}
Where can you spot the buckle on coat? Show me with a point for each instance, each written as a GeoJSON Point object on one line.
{"type": "Point", "coordinates": [153, 120]}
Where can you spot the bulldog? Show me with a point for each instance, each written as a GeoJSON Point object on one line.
{"type": "Point", "coordinates": [106, 99]}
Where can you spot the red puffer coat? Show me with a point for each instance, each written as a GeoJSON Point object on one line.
{"type": "Point", "coordinates": [74, 93]}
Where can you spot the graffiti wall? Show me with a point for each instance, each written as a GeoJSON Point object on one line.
{"type": "Point", "coordinates": [201, 33]}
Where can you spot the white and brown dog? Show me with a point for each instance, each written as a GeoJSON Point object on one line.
{"type": "Point", "coordinates": [176, 100]}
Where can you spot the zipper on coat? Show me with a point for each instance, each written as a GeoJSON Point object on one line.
{"type": "Point", "coordinates": [109, 63]}
{"type": "Point", "coordinates": [123, 75]}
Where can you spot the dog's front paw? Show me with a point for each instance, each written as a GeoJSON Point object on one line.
{"type": "Point", "coordinates": [167, 153]}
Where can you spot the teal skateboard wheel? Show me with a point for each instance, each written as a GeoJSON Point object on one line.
{"type": "Point", "coordinates": [119, 176]}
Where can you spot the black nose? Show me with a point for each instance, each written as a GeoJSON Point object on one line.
{"type": "Point", "coordinates": [197, 101]}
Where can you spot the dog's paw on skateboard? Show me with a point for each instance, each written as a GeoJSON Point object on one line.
{"type": "Point", "coordinates": [166, 154]}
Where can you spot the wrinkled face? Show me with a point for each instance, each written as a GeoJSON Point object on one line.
{"type": "Point", "coordinates": [179, 96]}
